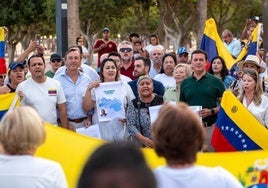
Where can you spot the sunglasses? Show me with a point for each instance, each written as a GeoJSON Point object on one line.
{"type": "Point", "coordinates": [13, 65]}
{"type": "Point", "coordinates": [2, 76]}
{"type": "Point", "coordinates": [125, 49]}
{"type": "Point", "coordinates": [56, 60]}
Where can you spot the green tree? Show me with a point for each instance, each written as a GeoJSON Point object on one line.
{"type": "Point", "coordinates": [25, 18]}
{"type": "Point", "coordinates": [232, 14]}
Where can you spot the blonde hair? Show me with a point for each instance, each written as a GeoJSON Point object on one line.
{"type": "Point", "coordinates": [258, 89]}
{"type": "Point", "coordinates": [187, 67]}
{"type": "Point", "coordinates": [21, 131]}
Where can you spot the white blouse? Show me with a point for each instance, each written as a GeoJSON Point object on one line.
{"type": "Point", "coordinates": [260, 111]}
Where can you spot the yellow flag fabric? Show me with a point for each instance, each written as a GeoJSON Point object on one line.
{"type": "Point", "coordinates": [6, 101]}
{"type": "Point", "coordinates": [237, 112]}
{"type": "Point", "coordinates": [2, 34]}
{"type": "Point", "coordinates": [213, 45]}
{"type": "Point", "coordinates": [72, 150]}
{"type": "Point", "coordinates": [252, 45]}
{"type": "Point", "coordinates": [236, 128]}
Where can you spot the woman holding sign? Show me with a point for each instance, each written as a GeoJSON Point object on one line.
{"type": "Point", "coordinates": [108, 96]}
{"type": "Point", "coordinates": [138, 117]}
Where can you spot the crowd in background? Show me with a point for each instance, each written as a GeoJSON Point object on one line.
{"type": "Point", "coordinates": [65, 95]}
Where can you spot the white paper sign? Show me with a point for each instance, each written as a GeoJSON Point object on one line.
{"type": "Point", "coordinates": [92, 131]}
{"type": "Point", "coordinates": [109, 101]}
{"type": "Point", "coordinates": [196, 110]}
{"type": "Point", "coordinates": [154, 111]}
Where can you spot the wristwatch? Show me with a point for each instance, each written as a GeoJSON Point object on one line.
{"type": "Point", "coordinates": [212, 111]}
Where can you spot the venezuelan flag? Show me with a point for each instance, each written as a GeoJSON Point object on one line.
{"type": "Point", "coordinates": [236, 128]}
{"type": "Point", "coordinates": [252, 47]}
{"type": "Point", "coordinates": [213, 45]}
{"type": "Point", "coordinates": [2, 42]}
{"type": "Point", "coordinates": [255, 37]}
{"type": "Point", "coordinates": [73, 155]}
{"type": "Point", "coordinates": [5, 102]}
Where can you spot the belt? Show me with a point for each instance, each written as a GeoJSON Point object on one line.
{"type": "Point", "coordinates": [77, 120]}
{"type": "Point", "coordinates": [208, 124]}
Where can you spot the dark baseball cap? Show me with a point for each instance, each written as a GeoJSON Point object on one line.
{"type": "Point", "coordinates": [106, 29]}
{"type": "Point", "coordinates": [14, 65]}
{"type": "Point", "coordinates": [55, 57]}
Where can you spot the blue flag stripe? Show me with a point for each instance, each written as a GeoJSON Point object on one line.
{"type": "Point", "coordinates": [234, 134]}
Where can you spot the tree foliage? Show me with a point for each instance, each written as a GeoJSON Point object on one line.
{"type": "Point", "coordinates": [172, 20]}
{"type": "Point", "coordinates": [24, 18]}
{"type": "Point", "coordinates": [232, 14]}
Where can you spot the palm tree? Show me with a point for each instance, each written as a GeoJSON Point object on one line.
{"type": "Point", "coordinates": [202, 17]}
{"type": "Point", "coordinates": [73, 21]}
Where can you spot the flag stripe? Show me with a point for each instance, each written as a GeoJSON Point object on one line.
{"type": "Point", "coordinates": [246, 121]}
{"type": "Point", "coordinates": [220, 143]}
{"type": "Point", "coordinates": [238, 126]}
{"type": "Point", "coordinates": [236, 137]}
{"type": "Point", "coordinates": [209, 45]}
{"type": "Point", "coordinates": [2, 112]}
{"type": "Point", "coordinates": [5, 102]}
{"type": "Point", "coordinates": [213, 45]}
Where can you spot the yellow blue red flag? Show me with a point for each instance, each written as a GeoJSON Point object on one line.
{"type": "Point", "coordinates": [236, 128]}
{"type": "Point", "coordinates": [71, 150]}
{"type": "Point", "coordinates": [6, 101]}
{"type": "Point", "coordinates": [2, 42]}
{"type": "Point", "coordinates": [213, 45]}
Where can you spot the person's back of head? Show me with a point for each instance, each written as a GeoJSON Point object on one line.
{"type": "Point", "coordinates": [178, 134]}
{"type": "Point", "coordinates": [117, 165]}
{"type": "Point", "coordinates": [21, 131]}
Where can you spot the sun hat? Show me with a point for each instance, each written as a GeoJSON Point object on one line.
{"type": "Point", "coordinates": [252, 59]}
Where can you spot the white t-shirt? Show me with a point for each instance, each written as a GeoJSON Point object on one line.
{"type": "Point", "coordinates": [196, 176]}
{"type": "Point", "coordinates": [27, 171]}
{"type": "Point", "coordinates": [167, 81]}
{"type": "Point", "coordinates": [43, 97]}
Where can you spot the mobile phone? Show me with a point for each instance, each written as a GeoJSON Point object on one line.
{"type": "Point", "coordinates": [37, 38]}
{"type": "Point", "coordinates": [234, 85]}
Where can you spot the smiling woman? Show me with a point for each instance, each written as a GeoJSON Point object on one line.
{"type": "Point", "coordinates": [108, 73]}
{"type": "Point", "coordinates": [138, 117]}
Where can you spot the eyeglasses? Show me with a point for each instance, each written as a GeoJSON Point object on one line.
{"type": "Point", "coordinates": [56, 60]}
{"type": "Point", "coordinates": [3, 76]}
{"type": "Point", "coordinates": [125, 49]}
{"type": "Point", "coordinates": [13, 65]}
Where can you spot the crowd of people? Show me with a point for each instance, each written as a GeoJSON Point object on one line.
{"type": "Point", "coordinates": [147, 76]}
{"type": "Point", "coordinates": [66, 91]}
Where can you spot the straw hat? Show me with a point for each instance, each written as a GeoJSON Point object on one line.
{"type": "Point", "coordinates": [252, 59]}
